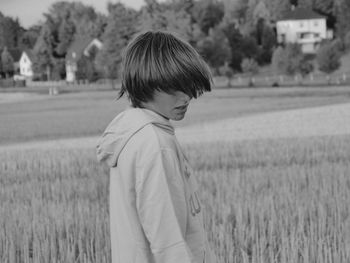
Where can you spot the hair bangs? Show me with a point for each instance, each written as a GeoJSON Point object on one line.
{"type": "Point", "coordinates": [163, 62]}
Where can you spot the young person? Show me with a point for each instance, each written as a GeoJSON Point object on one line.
{"type": "Point", "coordinates": [155, 212]}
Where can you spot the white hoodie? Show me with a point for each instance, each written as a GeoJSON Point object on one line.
{"type": "Point", "coordinates": [155, 213]}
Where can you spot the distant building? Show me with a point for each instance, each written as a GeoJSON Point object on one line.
{"type": "Point", "coordinates": [305, 27]}
{"type": "Point", "coordinates": [26, 64]}
{"type": "Point", "coordinates": [80, 47]}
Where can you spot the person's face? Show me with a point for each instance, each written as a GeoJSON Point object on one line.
{"type": "Point", "coordinates": [171, 106]}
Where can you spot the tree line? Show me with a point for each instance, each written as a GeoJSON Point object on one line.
{"type": "Point", "coordinates": [232, 35]}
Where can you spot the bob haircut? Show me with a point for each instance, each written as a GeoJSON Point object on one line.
{"type": "Point", "coordinates": [160, 61]}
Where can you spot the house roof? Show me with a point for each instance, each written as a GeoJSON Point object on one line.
{"type": "Point", "coordinates": [15, 53]}
{"type": "Point", "coordinates": [301, 14]}
{"type": "Point", "coordinates": [30, 54]}
{"type": "Point", "coordinates": [76, 49]}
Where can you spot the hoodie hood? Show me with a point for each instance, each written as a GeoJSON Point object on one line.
{"type": "Point", "coordinates": [121, 130]}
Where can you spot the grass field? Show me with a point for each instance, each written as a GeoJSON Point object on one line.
{"type": "Point", "coordinates": [87, 113]}
{"type": "Point", "coordinates": [268, 200]}
{"type": "Point", "coordinates": [265, 201]}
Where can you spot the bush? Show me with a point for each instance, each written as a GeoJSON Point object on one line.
{"type": "Point", "coordinates": [251, 67]}
{"type": "Point", "coordinates": [328, 57]}
{"type": "Point", "coordinates": [7, 83]}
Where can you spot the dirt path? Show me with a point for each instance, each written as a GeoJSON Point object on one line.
{"type": "Point", "coordinates": [327, 120]}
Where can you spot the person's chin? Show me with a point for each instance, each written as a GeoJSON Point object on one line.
{"type": "Point", "coordinates": [178, 117]}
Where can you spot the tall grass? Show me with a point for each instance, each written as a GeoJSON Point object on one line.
{"type": "Point", "coordinates": [53, 207]}
{"type": "Point", "coordinates": [265, 201]}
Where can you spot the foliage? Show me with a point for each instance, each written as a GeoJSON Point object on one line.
{"type": "Point", "coordinates": [328, 57]}
{"type": "Point", "coordinates": [306, 66]}
{"type": "Point", "coordinates": [7, 62]}
{"type": "Point", "coordinates": [287, 60]}
{"type": "Point", "coordinates": [10, 32]}
{"type": "Point", "coordinates": [278, 60]}
{"type": "Point", "coordinates": [44, 60]}
{"type": "Point", "coordinates": [347, 41]}
{"type": "Point", "coordinates": [119, 31]}
{"type": "Point", "coordinates": [249, 47]}
{"type": "Point", "coordinates": [235, 39]}
{"type": "Point", "coordinates": [172, 16]}
{"type": "Point", "coordinates": [86, 69]}
{"type": "Point", "coordinates": [66, 33]}
{"type": "Point", "coordinates": [268, 44]}
{"type": "Point", "coordinates": [58, 71]}
{"type": "Point", "coordinates": [227, 71]}
{"type": "Point", "coordinates": [235, 11]}
{"type": "Point", "coordinates": [343, 17]}
{"type": "Point", "coordinates": [215, 48]}
{"type": "Point", "coordinates": [247, 24]}
{"type": "Point", "coordinates": [307, 4]}
{"type": "Point", "coordinates": [208, 14]}
{"type": "Point", "coordinates": [29, 37]}
{"type": "Point", "coordinates": [277, 8]}
{"type": "Point", "coordinates": [293, 58]}
{"type": "Point", "coordinates": [250, 66]}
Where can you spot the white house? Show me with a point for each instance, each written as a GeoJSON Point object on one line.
{"type": "Point", "coordinates": [305, 27]}
{"type": "Point", "coordinates": [25, 64]}
{"type": "Point", "coordinates": [80, 47]}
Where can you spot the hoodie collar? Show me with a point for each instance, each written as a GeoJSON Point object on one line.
{"type": "Point", "coordinates": [123, 128]}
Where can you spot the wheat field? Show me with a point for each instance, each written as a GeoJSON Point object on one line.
{"type": "Point", "coordinates": [281, 200]}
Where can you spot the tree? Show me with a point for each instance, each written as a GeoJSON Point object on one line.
{"type": "Point", "coordinates": [278, 60]}
{"type": "Point", "coordinates": [235, 40]}
{"type": "Point", "coordinates": [249, 47]}
{"type": "Point", "coordinates": [208, 14]}
{"type": "Point", "coordinates": [119, 31]}
{"type": "Point", "coordinates": [86, 68]}
{"type": "Point", "coordinates": [44, 58]}
{"type": "Point", "coordinates": [84, 19]}
{"type": "Point", "coordinates": [171, 16]}
{"type": "Point", "coordinates": [268, 43]}
{"type": "Point", "coordinates": [227, 71]}
{"type": "Point", "coordinates": [235, 12]}
{"type": "Point", "coordinates": [293, 57]}
{"type": "Point", "coordinates": [261, 13]}
{"type": "Point", "coordinates": [324, 6]}
{"type": "Point", "coordinates": [328, 58]}
{"type": "Point", "coordinates": [10, 31]}
{"type": "Point", "coordinates": [7, 63]}
{"type": "Point", "coordinates": [347, 41]}
{"type": "Point", "coordinates": [342, 17]}
{"type": "Point", "coordinates": [277, 8]}
{"type": "Point", "coordinates": [66, 33]}
{"type": "Point", "coordinates": [215, 48]}
{"type": "Point", "coordinates": [307, 4]}
{"type": "Point", "coordinates": [250, 66]}
{"type": "Point", "coordinates": [152, 17]}
{"type": "Point", "coordinates": [29, 37]}
{"type": "Point", "coordinates": [287, 60]}
{"type": "Point", "coordinates": [306, 67]}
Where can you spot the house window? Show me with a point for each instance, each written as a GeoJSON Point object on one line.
{"type": "Point", "coordinates": [301, 24]}
{"type": "Point", "coordinates": [315, 23]}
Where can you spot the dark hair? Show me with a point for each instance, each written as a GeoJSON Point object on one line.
{"type": "Point", "coordinates": [160, 61]}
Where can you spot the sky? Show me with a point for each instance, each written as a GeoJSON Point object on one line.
{"type": "Point", "coordinates": [29, 12]}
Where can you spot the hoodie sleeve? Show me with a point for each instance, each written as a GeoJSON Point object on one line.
{"type": "Point", "coordinates": [162, 208]}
